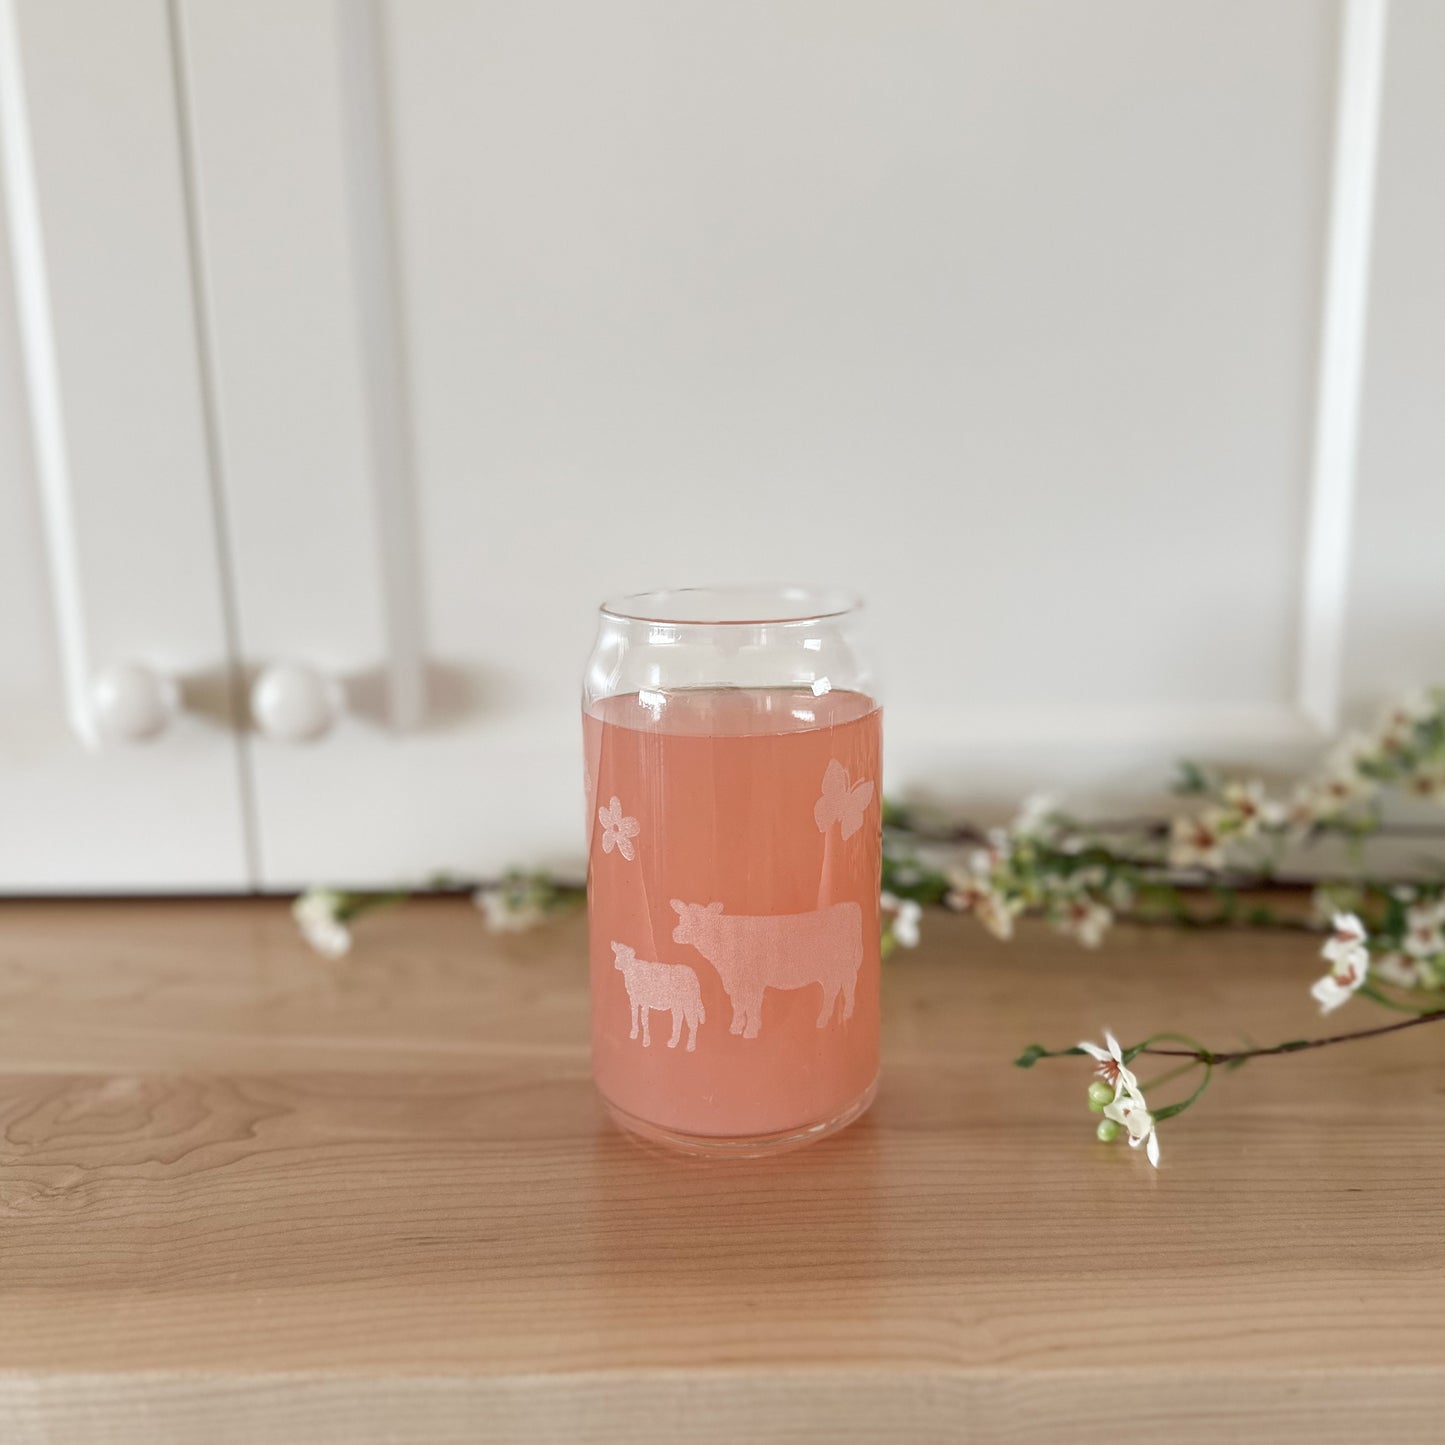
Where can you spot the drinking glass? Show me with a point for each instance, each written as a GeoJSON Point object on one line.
{"type": "Point", "coordinates": [732, 766]}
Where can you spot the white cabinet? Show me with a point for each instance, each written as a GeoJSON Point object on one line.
{"type": "Point", "coordinates": [111, 576]}
{"type": "Point", "coordinates": [1010, 316]}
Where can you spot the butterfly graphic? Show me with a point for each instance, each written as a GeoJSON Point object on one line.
{"type": "Point", "coordinates": [843, 801]}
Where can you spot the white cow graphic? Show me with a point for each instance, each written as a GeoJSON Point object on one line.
{"type": "Point", "coordinates": [671, 986]}
{"type": "Point", "coordinates": [784, 950]}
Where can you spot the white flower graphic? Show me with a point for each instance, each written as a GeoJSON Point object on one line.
{"type": "Point", "coordinates": [617, 831]}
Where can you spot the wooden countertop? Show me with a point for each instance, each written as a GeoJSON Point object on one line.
{"type": "Point", "coordinates": [247, 1195]}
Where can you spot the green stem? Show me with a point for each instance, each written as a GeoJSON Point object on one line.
{"type": "Point", "coordinates": [1170, 1111]}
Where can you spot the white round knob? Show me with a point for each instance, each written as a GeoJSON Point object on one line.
{"type": "Point", "coordinates": [132, 702]}
{"type": "Point", "coordinates": [293, 703]}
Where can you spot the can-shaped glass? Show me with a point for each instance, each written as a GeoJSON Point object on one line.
{"type": "Point", "coordinates": [732, 741]}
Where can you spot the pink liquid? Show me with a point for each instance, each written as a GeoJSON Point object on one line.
{"type": "Point", "coordinates": [723, 797]}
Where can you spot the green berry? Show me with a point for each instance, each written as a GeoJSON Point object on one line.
{"type": "Point", "coordinates": [1107, 1131]}
{"type": "Point", "coordinates": [1100, 1094]}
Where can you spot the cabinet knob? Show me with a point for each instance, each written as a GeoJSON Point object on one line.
{"type": "Point", "coordinates": [131, 702]}
{"type": "Point", "coordinates": [294, 703]}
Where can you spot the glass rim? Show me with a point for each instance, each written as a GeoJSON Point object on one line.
{"type": "Point", "coordinates": [732, 605]}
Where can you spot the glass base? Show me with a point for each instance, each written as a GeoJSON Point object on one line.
{"type": "Point", "coordinates": [754, 1146]}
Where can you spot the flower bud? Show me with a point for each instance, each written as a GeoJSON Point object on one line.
{"type": "Point", "coordinates": [1100, 1094]}
{"type": "Point", "coordinates": [1107, 1131]}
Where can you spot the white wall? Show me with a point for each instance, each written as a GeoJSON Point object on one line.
{"type": "Point", "coordinates": [1010, 315]}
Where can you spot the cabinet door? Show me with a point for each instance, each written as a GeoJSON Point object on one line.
{"type": "Point", "coordinates": [1008, 316]}
{"type": "Point", "coordinates": [112, 615]}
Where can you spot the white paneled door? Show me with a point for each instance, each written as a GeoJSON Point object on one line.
{"type": "Point", "coordinates": [1046, 326]}
{"type": "Point", "coordinates": [119, 759]}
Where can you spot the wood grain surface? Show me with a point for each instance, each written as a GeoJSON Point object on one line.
{"type": "Point", "coordinates": [249, 1195]}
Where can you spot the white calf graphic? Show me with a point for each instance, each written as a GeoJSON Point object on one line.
{"type": "Point", "coordinates": [784, 950]}
{"type": "Point", "coordinates": [671, 986]}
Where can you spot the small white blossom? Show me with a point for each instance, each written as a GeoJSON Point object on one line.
{"type": "Point", "coordinates": [1399, 968]}
{"type": "Point", "coordinates": [1035, 815]}
{"type": "Point", "coordinates": [1086, 919]}
{"type": "Point", "coordinates": [1425, 930]}
{"type": "Point", "coordinates": [1305, 809]}
{"type": "Point", "coordinates": [997, 914]}
{"type": "Point", "coordinates": [317, 913]}
{"type": "Point", "coordinates": [1131, 1112]}
{"type": "Point", "coordinates": [972, 891]}
{"type": "Point", "coordinates": [1349, 960]}
{"type": "Point", "coordinates": [1112, 1068]}
{"type": "Point", "coordinates": [906, 914]}
{"type": "Point", "coordinates": [509, 910]}
{"type": "Point", "coordinates": [1340, 787]}
{"type": "Point", "coordinates": [1429, 782]}
{"type": "Point", "coordinates": [1346, 940]}
{"type": "Point", "coordinates": [1395, 731]}
{"type": "Point", "coordinates": [1402, 714]}
{"type": "Point", "coordinates": [1248, 810]}
{"type": "Point", "coordinates": [1196, 842]}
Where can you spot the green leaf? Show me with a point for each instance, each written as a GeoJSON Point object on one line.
{"type": "Point", "coordinates": [1191, 780]}
{"type": "Point", "coordinates": [1031, 1056]}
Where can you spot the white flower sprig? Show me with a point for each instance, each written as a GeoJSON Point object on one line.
{"type": "Point", "coordinates": [1348, 953]}
{"type": "Point", "coordinates": [325, 915]}
{"type": "Point", "coordinates": [322, 914]}
{"type": "Point", "coordinates": [1126, 1110]}
{"type": "Point", "coordinates": [1405, 748]}
{"type": "Point", "coordinates": [1083, 880]}
{"type": "Point", "coordinates": [520, 901]}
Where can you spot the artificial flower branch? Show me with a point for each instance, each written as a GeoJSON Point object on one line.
{"type": "Point", "coordinates": [1228, 841]}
